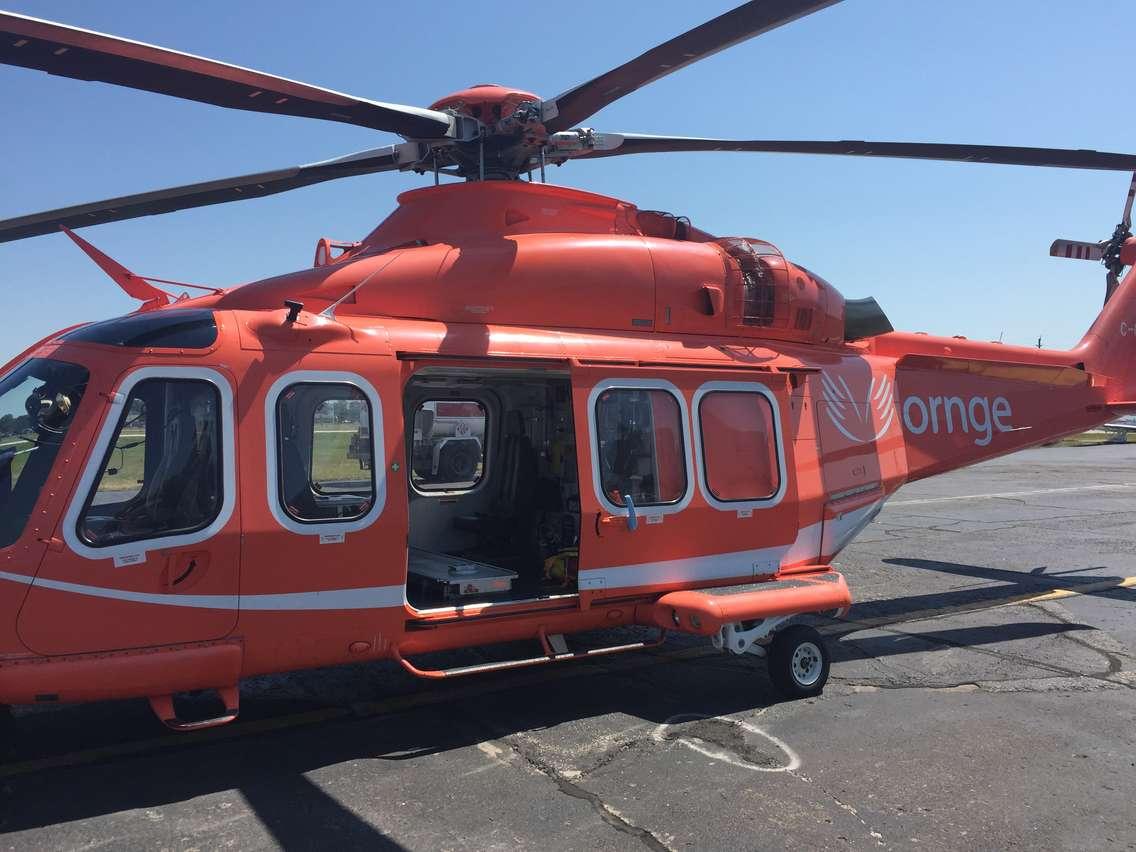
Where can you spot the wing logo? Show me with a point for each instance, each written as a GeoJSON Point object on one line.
{"type": "Point", "coordinates": [857, 421]}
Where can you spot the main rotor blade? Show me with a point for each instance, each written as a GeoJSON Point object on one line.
{"type": "Point", "coordinates": [86, 55]}
{"type": "Point", "coordinates": [743, 23]}
{"type": "Point", "coordinates": [209, 192]}
{"type": "Point", "coordinates": [1062, 158]}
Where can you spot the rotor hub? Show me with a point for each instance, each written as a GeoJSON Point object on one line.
{"type": "Point", "coordinates": [510, 138]}
{"type": "Point", "coordinates": [489, 103]}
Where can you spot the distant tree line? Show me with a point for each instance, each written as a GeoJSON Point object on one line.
{"type": "Point", "coordinates": [11, 425]}
{"type": "Point", "coordinates": [339, 411]}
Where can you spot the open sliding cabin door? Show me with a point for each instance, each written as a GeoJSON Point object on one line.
{"type": "Point", "coordinates": [686, 477]}
{"type": "Point", "coordinates": [493, 490]}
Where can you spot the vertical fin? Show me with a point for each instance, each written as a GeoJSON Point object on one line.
{"type": "Point", "coordinates": [1108, 348]}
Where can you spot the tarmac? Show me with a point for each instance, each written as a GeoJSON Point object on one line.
{"type": "Point", "coordinates": [982, 696]}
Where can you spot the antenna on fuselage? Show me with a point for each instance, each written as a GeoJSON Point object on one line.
{"type": "Point", "coordinates": [329, 311]}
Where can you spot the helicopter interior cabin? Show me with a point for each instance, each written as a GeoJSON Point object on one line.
{"type": "Point", "coordinates": [494, 490]}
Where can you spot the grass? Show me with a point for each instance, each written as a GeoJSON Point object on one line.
{"type": "Point", "coordinates": [330, 461]}
{"type": "Point", "coordinates": [19, 444]}
{"type": "Point", "coordinates": [126, 465]}
{"type": "Point", "coordinates": [1095, 438]}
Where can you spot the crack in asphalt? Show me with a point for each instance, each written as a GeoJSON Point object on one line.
{"type": "Point", "coordinates": [990, 687]}
{"type": "Point", "coordinates": [609, 815]}
{"type": "Point", "coordinates": [877, 836]}
{"type": "Point", "coordinates": [1115, 663]}
{"type": "Point", "coordinates": [609, 756]}
{"type": "Point", "coordinates": [605, 811]}
{"type": "Point", "coordinates": [1115, 666]}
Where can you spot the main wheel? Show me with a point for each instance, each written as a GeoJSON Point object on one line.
{"type": "Point", "coordinates": [798, 662]}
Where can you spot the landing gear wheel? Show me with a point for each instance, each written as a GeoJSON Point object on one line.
{"type": "Point", "coordinates": [798, 662]}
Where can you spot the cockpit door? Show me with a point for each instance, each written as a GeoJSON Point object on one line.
{"type": "Point", "coordinates": [148, 551]}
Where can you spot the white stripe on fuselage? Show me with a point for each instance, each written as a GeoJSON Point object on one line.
{"type": "Point", "coordinates": [744, 563]}
{"type": "Point", "coordinates": [372, 597]}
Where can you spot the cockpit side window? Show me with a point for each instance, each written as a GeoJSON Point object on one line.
{"type": "Point", "coordinates": [162, 474]}
{"type": "Point", "coordinates": [38, 401]}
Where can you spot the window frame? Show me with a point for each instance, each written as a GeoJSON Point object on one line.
{"type": "Point", "coordinates": [633, 383]}
{"type": "Point", "coordinates": [312, 454]}
{"type": "Point", "coordinates": [331, 527]}
{"type": "Point", "coordinates": [778, 439]}
{"type": "Point", "coordinates": [486, 448]}
{"type": "Point", "coordinates": [132, 552]}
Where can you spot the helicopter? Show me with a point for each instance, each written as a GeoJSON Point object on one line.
{"type": "Point", "coordinates": [513, 412]}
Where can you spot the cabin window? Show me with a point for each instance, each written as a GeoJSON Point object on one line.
{"type": "Point", "coordinates": [162, 473]}
{"type": "Point", "coordinates": [325, 452]}
{"type": "Point", "coordinates": [739, 446]}
{"type": "Point", "coordinates": [38, 401]}
{"type": "Point", "coordinates": [640, 445]}
{"type": "Point", "coordinates": [448, 453]}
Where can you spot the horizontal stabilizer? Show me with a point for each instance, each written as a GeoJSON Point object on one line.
{"type": "Point", "coordinates": [1053, 375]}
{"type": "Point", "coordinates": [1076, 250]}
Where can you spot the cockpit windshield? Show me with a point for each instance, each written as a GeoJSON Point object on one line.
{"type": "Point", "coordinates": [38, 401]}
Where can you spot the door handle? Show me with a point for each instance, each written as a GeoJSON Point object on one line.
{"type": "Point", "coordinates": [184, 570]}
{"type": "Point", "coordinates": [632, 518]}
{"type": "Point", "coordinates": [188, 570]}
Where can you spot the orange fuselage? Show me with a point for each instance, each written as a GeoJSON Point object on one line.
{"type": "Point", "coordinates": [492, 279]}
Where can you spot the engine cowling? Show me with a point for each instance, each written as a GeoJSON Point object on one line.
{"type": "Point", "coordinates": [769, 296]}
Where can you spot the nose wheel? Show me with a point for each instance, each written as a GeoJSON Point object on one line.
{"type": "Point", "coordinates": [798, 662]}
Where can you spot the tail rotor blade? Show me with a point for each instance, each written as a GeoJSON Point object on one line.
{"type": "Point", "coordinates": [1076, 250]}
{"type": "Point", "coordinates": [1127, 218]}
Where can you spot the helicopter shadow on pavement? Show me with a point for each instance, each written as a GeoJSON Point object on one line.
{"type": "Point", "coordinates": [386, 753]}
{"type": "Point", "coordinates": [1019, 584]}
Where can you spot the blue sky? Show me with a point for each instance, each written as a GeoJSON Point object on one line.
{"type": "Point", "coordinates": [945, 248]}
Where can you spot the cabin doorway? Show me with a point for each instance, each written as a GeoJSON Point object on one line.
{"type": "Point", "coordinates": [494, 495]}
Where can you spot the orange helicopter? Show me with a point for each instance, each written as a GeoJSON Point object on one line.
{"type": "Point", "coordinates": [513, 411]}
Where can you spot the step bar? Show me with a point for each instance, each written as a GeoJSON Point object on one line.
{"type": "Point", "coordinates": [812, 589]}
{"type": "Point", "coordinates": [551, 655]}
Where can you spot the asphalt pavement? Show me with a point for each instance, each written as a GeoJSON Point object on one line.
{"type": "Point", "coordinates": [982, 696]}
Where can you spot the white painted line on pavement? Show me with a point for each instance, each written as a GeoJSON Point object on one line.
{"type": "Point", "coordinates": [1119, 486]}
